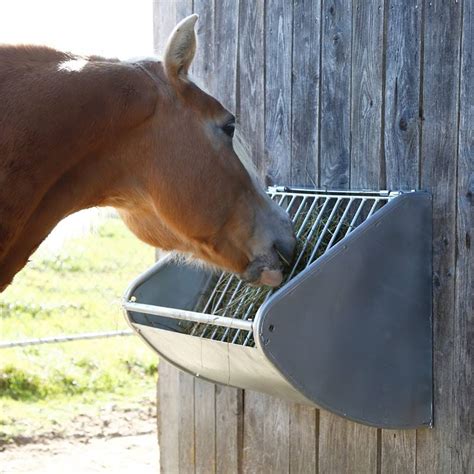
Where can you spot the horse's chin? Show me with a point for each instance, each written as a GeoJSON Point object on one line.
{"type": "Point", "coordinates": [271, 278]}
{"type": "Point", "coordinates": [268, 277]}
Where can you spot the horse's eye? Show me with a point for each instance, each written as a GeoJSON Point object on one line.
{"type": "Point", "coordinates": [229, 129]}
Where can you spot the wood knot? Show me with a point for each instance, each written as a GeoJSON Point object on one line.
{"type": "Point", "coordinates": [403, 124]}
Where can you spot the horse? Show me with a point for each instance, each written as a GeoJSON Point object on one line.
{"type": "Point", "coordinates": [78, 132]}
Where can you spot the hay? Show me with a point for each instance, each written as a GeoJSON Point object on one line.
{"type": "Point", "coordinates": [316, 229]}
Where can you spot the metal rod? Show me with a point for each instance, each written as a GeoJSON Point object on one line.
{"type": "Point", "coordinates": [339, 225]}
{"type": "Point", "coordinates": [356, 216]}
{"type": "Point", "coordinates": [184, 315]}
{"type": "Point", "coordinates": [325, 228]}
{"type": "Point", "coordinates": [372, 209]}
{"type": "Point", "coordinates": [332, 192]}
{"type": "Point", "coordinates": [308, 238]}
{"type": "Point", "coordinates": [236, 289]}
{"type": "Point", "coordinates": [219, 301]}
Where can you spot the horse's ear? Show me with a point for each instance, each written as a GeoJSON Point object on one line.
{"type": "Point", "coordinates": [180, 49]}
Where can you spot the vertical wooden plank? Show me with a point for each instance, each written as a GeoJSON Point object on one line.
{"type": "Point", "coordinates": [168, 417]}
{"type": "Point", "coordinates": [442, 26]}
{"type": "Point", "coordinates": [346, 447]}
{"type": "Point", "coordinates": [229, 425]}
{"type": "Point", "coordinates": [402, 94]}
{"type": "Point", "coordinates": [276, 431]}
{"type": "Point", "coordinates": [166, 15]}
{"type": "Point", "coordinates": [250, 80]}
{"type": "Point", "coordinates": [464, 304]}
{"type": "Point", "coordinates": [186, 442]}
{"type": "Point", "coordinates": [305, 92]}
{"type": "Point", "coordinates": [336, 41]}
{"type": "Point", "coordinates": [304, 421]}
{"type": "Point", "coordinates": [202, 68]}
{"type": "Point", "coordinates": [183, 8]}
{"type": "Point", "coordinates": [366, 94]}
{"type": "Point", "coordinates": [398, 453]}
{"type": "Point", "coordinates": [304, 426]}
{"type": "Point", "coordinates": [278, 48]}
{"type": "Point", "coordinates": [252, 452]}
{"type": "Point", "coordinates": [401, 142]}
{"type": "Point", "coordinates": [164, 19]}
{"type": "Point", "coordinates": [205, 426]}
{"type": "Point", "coordinates": [225, 52]}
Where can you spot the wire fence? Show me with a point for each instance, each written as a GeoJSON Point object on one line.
{"type": "Point", "coordinates": [71, 289]}
{"type": "Point", "coordinates": [64, 338]}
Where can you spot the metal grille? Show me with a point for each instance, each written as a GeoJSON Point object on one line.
{"type": "Point", "coordinates": [321, 220]}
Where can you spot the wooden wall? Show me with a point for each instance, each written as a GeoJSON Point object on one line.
{"type": "Point", "coordinates": [374, 94]}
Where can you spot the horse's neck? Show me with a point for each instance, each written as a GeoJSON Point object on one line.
{"type": "Point", "coordinates": [41, 139]}
{"type": "Point", "coordinates": [93, 182]}
{"type": "Point", "coordinates": [44, 143]}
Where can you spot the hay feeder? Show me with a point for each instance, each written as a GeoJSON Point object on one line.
{"type": "Point", "coordinates": [350, 329]}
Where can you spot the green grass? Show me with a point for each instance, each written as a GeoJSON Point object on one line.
{"type": "Point", "coordinates": [77, 290]}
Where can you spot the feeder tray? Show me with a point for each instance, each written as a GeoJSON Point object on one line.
{"type": "Point", "coordinates": [349, 330]}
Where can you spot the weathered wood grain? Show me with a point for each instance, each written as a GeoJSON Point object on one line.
{"type": "Point", "coordinates": [250, 79]}
{"type": "Point", "coordinates": [346, 447]}
{"type": "Point", "coordinates": [335, 108]}
{"type": "Point", "coordinates": [205, 426]}
{"type": "Point", "coordinates": [304, 439]}
{"type": "Point", "coordinates": [229, 429]}
{"type": "Point", "coordinates": [183, 8]}
{"type": "Point", "coordinates": [463, 396]}
{"type": "Point", "coordinates": [185, 396]}
{"type": "Point", "coordinates": [398, 452]}
{"type": "Point", "coordinates": [164, 18]}
{"type": "Point", "coordinates": [402, 131]}
{"type": "Point", "coordinates": [224, 69]}
{"type": "Point", "coordinates": [366, 94]}
{"type": "Point", "coordinates": [305, 92]}
{"type": "Point", "coordinates": [166, 15]}
{"type": "Point", "coordinates": [278, 48]}
{"type": "Point", "coordinates": [276, 430]}
{"type": "Point", "coordinates": [168, 417]}
{"type": "Point", "coordinates": [202, 68]}
{"type": "Point", "coordinates": [402, 94]}
{"type": "Point", "coordinates": [436, 448]}
{"type": "Point", "coordinates": [254, 412]}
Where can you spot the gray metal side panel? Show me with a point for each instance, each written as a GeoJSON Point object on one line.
{"type": "Point", "coordinates": [353, 332]}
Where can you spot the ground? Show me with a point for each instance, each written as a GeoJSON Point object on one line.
{"type": "Point", "coordinates": [117, 438]}
{"type": "Point", "coordinates": [67, 401]}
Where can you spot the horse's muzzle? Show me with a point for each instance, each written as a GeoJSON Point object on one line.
{"type": "Point", "coordinates": [268, 270]}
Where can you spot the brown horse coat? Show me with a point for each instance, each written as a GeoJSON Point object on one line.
{"type": "Point", "coordinates": [78, 132]}
{"type": "Point", "coordinates": [53, 119]}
